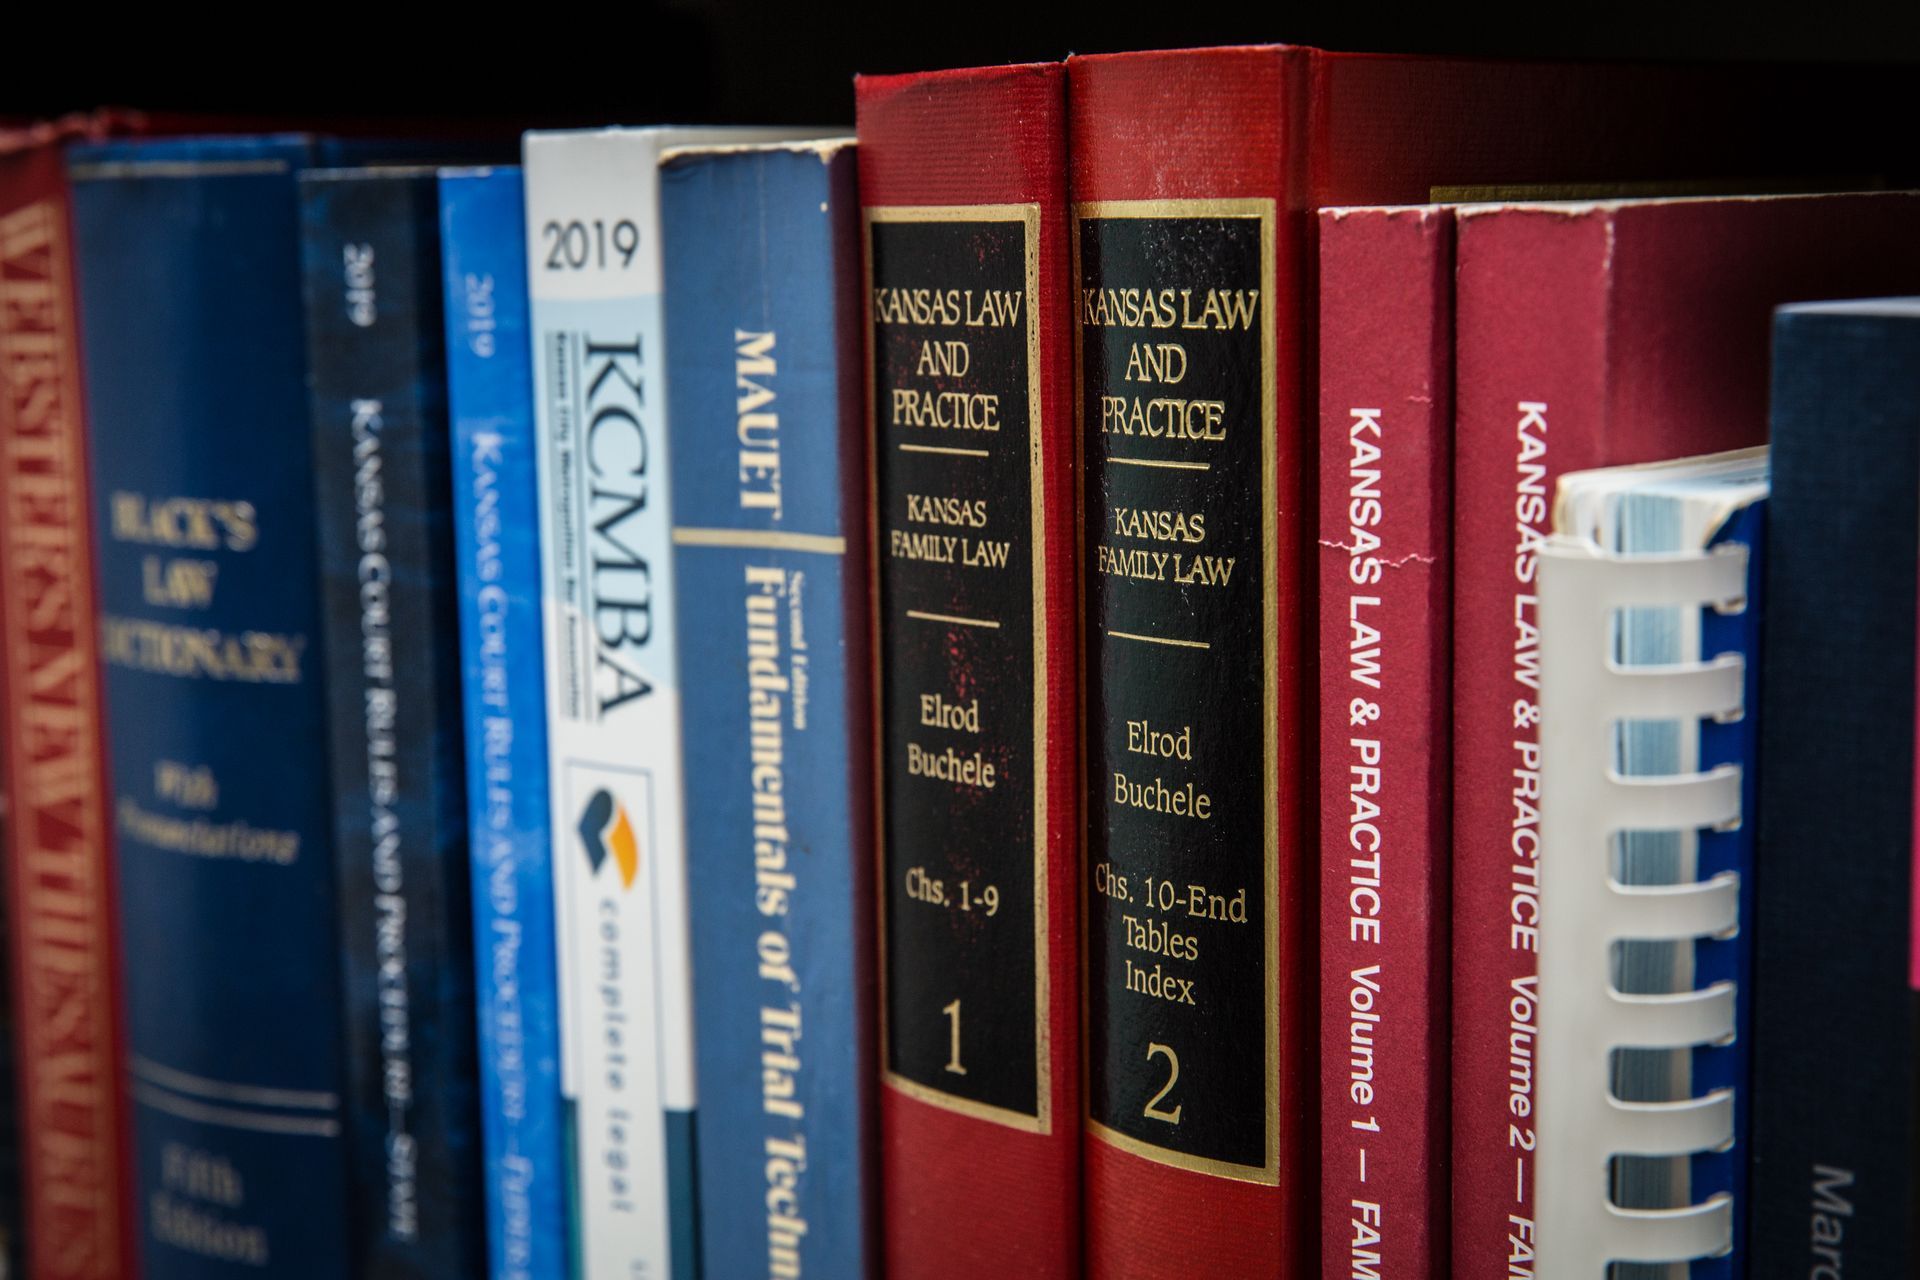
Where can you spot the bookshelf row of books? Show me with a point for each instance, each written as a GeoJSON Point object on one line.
{"type": "Point", "coordinates": [1218, 663]}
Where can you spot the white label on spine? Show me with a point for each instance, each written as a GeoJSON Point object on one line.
{"type": "Point", "coordinates": [606, 601]}
{"type": "Point", "coordinates": [612, 680]}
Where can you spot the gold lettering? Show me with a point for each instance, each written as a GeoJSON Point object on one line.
{"type": "Point", "coordinates": [949, 359]}
{"type": "Point", "coordinates": [1156, 362]}
{"type": "Point", "coordinates": [1182, 801]}
{"type": "Point", "coordinates": [946, 410]}
{"type": "Point", "coordinates": [940, 509]}
{"type": "Point", "coordinates": [178, 584]}
{"type": "Point", "coordinates": [200, 524]}
{"type": "Point", "coordinates": [1160, 526]}
{"type": "Point", "coordinates": [260, 657]}
{"type": "Point", "coordinates": [937, 713]}
{"type": "Point", "coordinates": [1163, 418]}
{"type": "Point", "coordinates": [948, 765]}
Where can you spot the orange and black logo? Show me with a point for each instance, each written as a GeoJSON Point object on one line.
{"type": "Point", "coordinates": [605, 829]}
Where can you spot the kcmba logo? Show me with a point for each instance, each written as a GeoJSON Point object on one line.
{"type": "Point", "coordinates": [604, 828]}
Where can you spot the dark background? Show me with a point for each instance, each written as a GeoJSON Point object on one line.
{"type": "Point", "coordinates": [736, 60]}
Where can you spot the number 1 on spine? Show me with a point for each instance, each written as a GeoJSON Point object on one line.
{"type": "Point", "coordinates": [953, 1061]}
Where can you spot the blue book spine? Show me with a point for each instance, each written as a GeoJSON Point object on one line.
{"type": "Point", "coordinates": [496, 535]}
{"type": "Point", "coordinates": [1736, 742]}
{"type": "Point", "coordinates": [769, 484]}
{"type": "Point", "coordinates": [188, 258]}
{"type": "Point", "coordinates": [383, 483]}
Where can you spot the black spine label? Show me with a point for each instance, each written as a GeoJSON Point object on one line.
{"type": "Point", "coordinates": [955, 406]}
{"type": "Point", "coordinates": [1175, 334]}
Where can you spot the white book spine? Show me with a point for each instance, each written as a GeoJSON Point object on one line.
{"type": "Point", "coordinates": [619, 856]}
{"type": "Point", "coordinates": [1585, 802]}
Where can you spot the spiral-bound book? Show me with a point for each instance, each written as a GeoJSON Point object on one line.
{"type": "Point", "coordinates": [1649, 639]}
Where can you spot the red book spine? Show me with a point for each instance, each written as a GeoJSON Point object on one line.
{"type": "Point", "coordinates": [1586, 336]}
{"type": "Point", "coordinates": [61, 886]}
{"type": "Point", "coordinates": [1189, 228]}
{"type": "Point", "coordinates": [963, 188]}
{"type": "Point", "coordinates": [1532, 382]}
{"type": "Point", "coordinates": [1386, 498]}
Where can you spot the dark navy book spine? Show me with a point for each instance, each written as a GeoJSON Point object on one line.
{"type": "Point", "coordinates": [382, 479]}
{"type": "Point", "coordinates": [497, 535]}
{"type": "Point", "coordinates": [1835, 1121]}
{"type": "Point", "coordinates": [769, 499]}
{"type": "Point", "coordinates": [188, 259]}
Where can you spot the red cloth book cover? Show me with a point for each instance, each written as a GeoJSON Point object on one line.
{"type": "Point", "coordinates": [1386, 510]}
{"type": "Point", "coordinates": [963, 188]}
{"type": "Point", "coordinates": [75, 1156]}
{"type": "Point", "coordinates": [1189, 192]}
{"type": "Point", "coordinates": [1193, 174]}
{"type": "Point", "coordinates": [1588, 335]}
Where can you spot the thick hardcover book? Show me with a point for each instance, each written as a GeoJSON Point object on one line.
{"type": "Point", "coordinates": [376, 352]}
{"type": "Point", "coordinates": [1836, 1122]}
{"type": "Point", "coordinates": [1586, 335]}
{"type": "Point", "coordinates": [188, 259]}
{"type": "Point", "coordinates": [496, 537]}
{"type": "Point", "coordinates": [1651, 599]}
{"type": "Point", "coordinates": [963, 188]}
{"type": "Point", "coordinates": [1189, 306]}
{"type": "Point", "coordinates": [1192, 175]}
{"type": "Point", "coordinates": [770, 519]}
{"type": "Point", "coordinates": [1386, 510]}
{"type": "Point", "coordinates": [72, 1177]}
{"type": "Point", "coordinates": [613, 691]}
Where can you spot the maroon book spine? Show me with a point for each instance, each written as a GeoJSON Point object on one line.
{"type": "Point", "coordinates": [1386, 501]}
{"type": "Point", "coordinates": [963, 195]}
{"type": "Point", "coordinates": [1586, 336]}
{"type": "Point", "coordinates": [1532, 370]}
{"type": "Point", "coordinates": [75, 1156]}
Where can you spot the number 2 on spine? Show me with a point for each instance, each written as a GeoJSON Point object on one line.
{"type": "Point", "coordinates": [953, 1015]}
{"type": "Point", "coordinates": [1153, 1110]}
